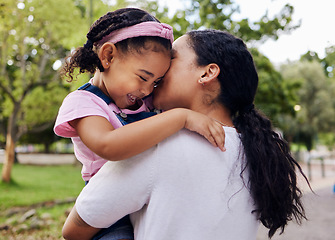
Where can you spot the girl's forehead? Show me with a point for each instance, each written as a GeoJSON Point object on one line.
{"type": "Point", "coordinates": [151, 55]}
{"type": "Point", "coordinates": [149, 48]}
{"type": "Point", "coordinates": [141, 54]}
{"type": "Point", "coordinates": [150, 62]}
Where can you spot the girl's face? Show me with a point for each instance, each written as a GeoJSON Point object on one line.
{"type": "Point", "coordinates": [181, 81]}
{"type": "Point", "coordinates": [133, 76]}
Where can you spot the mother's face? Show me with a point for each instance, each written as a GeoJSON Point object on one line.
{"type": "Point", "coordinates": [180, 82]}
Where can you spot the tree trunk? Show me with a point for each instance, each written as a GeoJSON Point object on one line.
{"type": "Point", "coordinates": [9, 159]}
{"type": "Point", "coordinates": [47, 147]}
{"type": "Point", "coordinates": [10, 144]}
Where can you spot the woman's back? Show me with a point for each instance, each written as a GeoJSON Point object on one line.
{"type": "Point", "coordinates": [182, 189]}
{"type": "Point", "coordinates": [197, 192]}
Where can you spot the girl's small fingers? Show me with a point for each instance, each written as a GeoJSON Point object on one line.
{"type": "Point", "coordinates": [223, 139]}
{"type": "Point", "coordinates": [221, 146]}
{"type": "Point", "coordinates": [219, 137]}
{"type": "Point", "coordinates": [212, 141]}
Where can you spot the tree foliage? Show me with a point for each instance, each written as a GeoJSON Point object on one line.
{"type": "Point", "coordinates": [274, 96]}
{"type": "Point", "coordinates": [329, 62]}
{"type": "Point", "coordinates": [30, 43]}
{"type": "Point", "coordinates": [218, 14]}
{"type": "Point", "coordinates": [315, 99]}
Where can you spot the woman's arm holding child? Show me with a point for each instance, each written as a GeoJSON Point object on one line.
{"type": "Point", "coordinates": [76, 229]}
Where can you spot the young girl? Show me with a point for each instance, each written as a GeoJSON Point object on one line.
{"type": "Point", "coordinates": [128, 51]}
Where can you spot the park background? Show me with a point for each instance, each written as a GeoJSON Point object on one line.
{"type": "Point", "coordinates": [41, 177]}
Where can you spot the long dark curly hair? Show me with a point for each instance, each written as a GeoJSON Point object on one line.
{"type": "Point", "coordinates": [86, 58]}
{"type": "Point", "coordinates": [272, 169]}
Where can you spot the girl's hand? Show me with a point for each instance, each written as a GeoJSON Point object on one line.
{"type": "Point", "coordinates": [209, 128]}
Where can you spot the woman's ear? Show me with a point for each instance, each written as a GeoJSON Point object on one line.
{"type": "Point", "coordinates": [212, 71]}
{"type": "Point", "coordinates": [106, 54]}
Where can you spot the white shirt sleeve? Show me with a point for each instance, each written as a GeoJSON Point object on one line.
{"type": "Point", "coordinates": [118, 189]}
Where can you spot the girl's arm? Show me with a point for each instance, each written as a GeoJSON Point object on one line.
{"type": "Point", "coordinates": [127, 141]}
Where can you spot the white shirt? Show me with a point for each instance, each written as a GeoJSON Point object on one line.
{"type": "Point", "coordinates": [183, 188]}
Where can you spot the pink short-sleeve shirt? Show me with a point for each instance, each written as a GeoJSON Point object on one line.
{"type": "Point", "coordinates": [79, 104]}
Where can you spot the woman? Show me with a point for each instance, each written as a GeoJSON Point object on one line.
{"type": "Point", "coordinates": [186, 189]}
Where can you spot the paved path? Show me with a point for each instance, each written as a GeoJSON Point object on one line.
{"type": "Point", "coordinates": [319, 207]}
{"type": "Point", "coordinates": [320, 210]}
{"type": "Point", "coordinates": [43, 159]}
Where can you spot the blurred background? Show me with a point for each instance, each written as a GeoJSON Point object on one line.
{"type": "Point", "coordinates": [292, 42]}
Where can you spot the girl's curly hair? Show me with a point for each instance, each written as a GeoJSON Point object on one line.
{"type": "Point", "coordinates": [86, 58]}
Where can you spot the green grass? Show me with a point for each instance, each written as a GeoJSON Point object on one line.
{"type": "Point", "coordinates": [34, 184]}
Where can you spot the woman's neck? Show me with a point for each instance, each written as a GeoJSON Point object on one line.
{"type": "Point", "coordinates": [219, 113]}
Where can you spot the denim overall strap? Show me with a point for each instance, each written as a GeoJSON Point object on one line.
{"type": "Point", "coordinates": [134, 117]}
{"type": "Point", "coordinates": [93, 89]}
{"type": "Point", "coordinates": [125, 118]}
{"type": "Point", "coordinates": [139, 116]}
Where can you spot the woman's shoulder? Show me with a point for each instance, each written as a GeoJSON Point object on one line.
{"type": "Point", "coordinates": [188, 141]}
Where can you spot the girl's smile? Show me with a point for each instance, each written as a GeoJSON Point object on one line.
{"type": "Point", "coordinates": [132, 76]}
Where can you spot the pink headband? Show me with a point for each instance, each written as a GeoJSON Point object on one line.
{"type": "Point", "coordinates": [153, 29]}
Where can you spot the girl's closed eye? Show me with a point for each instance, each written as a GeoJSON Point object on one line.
{"type": "Point", "coordinates": [155, 83]}
{"type": "Point", "coordinates": [142, 78]}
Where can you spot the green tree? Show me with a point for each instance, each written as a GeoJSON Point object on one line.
{"type": "Point", "coordinates": [2, 121]}
{"type": "Point", "coordinates": [317, 110]}
{"type": "Point", "coordinates": [329, 66]}
{"type": "Point", "coordinates": [329, 62]}
{"type": "Point", "coordinates": [31, 41]}
{"type": "Point", "coordinates": [310, 56]}
{"type": "Point", "coordinates": [274, 96]}
{"type": "Point", "coordinates": [218, 14]}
